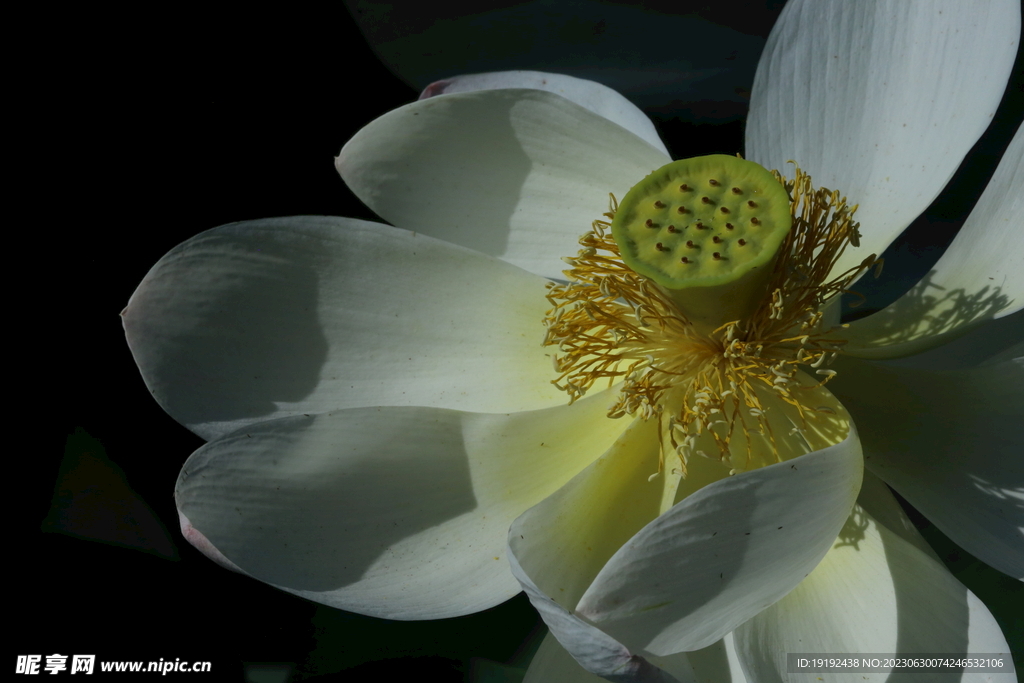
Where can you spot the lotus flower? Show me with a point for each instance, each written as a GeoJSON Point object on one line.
{"type": "Point", "coordinates": [385, 436]}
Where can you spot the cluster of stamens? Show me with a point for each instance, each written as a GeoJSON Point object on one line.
{"type": "Point", "coordinates": [611, 323]}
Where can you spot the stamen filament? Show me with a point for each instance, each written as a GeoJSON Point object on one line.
{"type": "Point", "coordinates": [709, 387]}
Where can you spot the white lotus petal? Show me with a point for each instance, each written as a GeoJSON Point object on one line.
{"type": "Point", "coordinates": [993, 341]}
{"type": "Point", "coordinates": [950, 443]}
{"type": "Point", "coordinates": [554, 663]}
{"type": "Point", "coordinates": [978, 278]}
{"type": "Point", "coordinates": [560, 544]}
{"type": "Point", "coordinates": [518, 174]}
{"type": "Point", "coordinates": [595, 97]}
{"type": "Point", "coordinates": [876, 591]}
{"type": "Point", "coordinates": [286, 316]}
{"type": "Point", "coordinates": [880, 100]}
{"type": "Point", "coordinates": [201, 543]}
{"type": "Point", "coordinates": [725, 552]}
{"type": "Point", "coordinates": [564, 541]}
{"type": "Point", "coordinates": [396, 512]}
{"type": "Point", "coordinates": [592, 649]}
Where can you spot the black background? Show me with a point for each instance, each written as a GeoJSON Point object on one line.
{"type": "Point", "coordinates": [144, 130]}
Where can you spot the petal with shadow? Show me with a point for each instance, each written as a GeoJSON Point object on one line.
{"type": "Point", "coordinates": [724, 553]}
{"type": "Point", "coordinates": [590, 95]}
{"type": "Point", "coordinates": [950, 443]}
{"type": "Point", "coordinates": [517, 174]}
{"type": "Point", "coordinates": [395, 512]}
{"type": "Point", "coordinates": [880, 100]}
{"type": "Point", "coordinates": [878, 590]}
{"type": "Point", "coordinates": [980, 276]}
{"type": "Point", "coordinates": [286, 316]}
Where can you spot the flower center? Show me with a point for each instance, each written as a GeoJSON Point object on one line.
{"type": "Point", "coordinates": [705, 298]}
{"type": "Point", "coordinates": [706, 230]}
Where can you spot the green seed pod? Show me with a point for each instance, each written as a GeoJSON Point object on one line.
{"type": "Point", "coordinates": [702, 221]}
{"type": "Point", "coordinates": [706, 230]}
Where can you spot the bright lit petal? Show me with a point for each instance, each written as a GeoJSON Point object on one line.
{"type": "Point", "coordinates": [950, 443]}
{"type": "Point", "coordinates": [876, 591]}
{"type": "Point", "coordinates": [880, 100]}
{"type": "Point", "coordinates": [518, 174]}
{"type": "Point", "coordinates": [980, 277]}
{"type": "Point", "coordinates": [399, 513]}
{"type": "Point", "coordinates": [286, 316]}
{"type": "Point", "coordinates": [563, 542]}
{"type": "Point", "coordinates": [598, 98]}
{"type": "Point", "coordinates": [724, 553]}
{"type": "Point", "coordinates": [559, 545]}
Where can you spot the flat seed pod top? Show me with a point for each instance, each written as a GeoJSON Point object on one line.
{"type": "Point", "coordinates": [702, 222]}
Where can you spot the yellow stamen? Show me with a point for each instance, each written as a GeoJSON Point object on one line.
{"type": "Point", "coordinates": [735, 390]}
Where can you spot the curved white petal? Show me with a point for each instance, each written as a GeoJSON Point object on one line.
{"type": "Point", "coordinates": [724, 553]}
{"type": "Point", "coordinates": [559, 545]}
{"type": "Point", "coordinates": [518, 174]}
{"type": "Point", "coordinates": [201, 543]}
{"type": "Point", "coordinates": [395, 512]}
{"type": "Point", "coordinates": [876, 591]}
{"type": "Point", "coordinates": [590, 95]}
{"type": "Point", "coordinates": [951, 444]}
{"type": "Point", "coordinates": [285, 316]}
{"type": "Point", "coordinates": [554, 663]}
{"type": "Point", "coordinates": [880, 100]}
{"type": "Point", "coordinates": [565, 540]}
{"type": "Point", "coordinates": [993, 341]}
{"type": "Point", "coordinates": [979, 277]}
{"type": "Point", "coordinates": [592, 649]}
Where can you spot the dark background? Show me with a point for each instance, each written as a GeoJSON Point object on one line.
{"type": "Point", "coordinates": [182, 122]}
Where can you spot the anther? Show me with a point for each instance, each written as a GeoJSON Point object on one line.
{"type": "Point", "coordinates": [737, 190]}
{"type": "Point", "coordinates": [712, 182]}
{"type": "Point", "coordinates": [752, 204]}
{"type": "Point", "coordinates": [659, 205]}
{"type": "Point", "coordinates": [649, 223]}
{"type": "Point", "coordinates": [705, 200]}
{"type": "Point", "coordinates": [755, 221]}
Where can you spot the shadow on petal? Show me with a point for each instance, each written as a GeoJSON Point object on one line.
{"type": "Point", "coordinates": [925, 317]}
{"type": "Point", "coordinates": [295, 506]}
{"type": "Point", "coordinates": [246, 328]}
